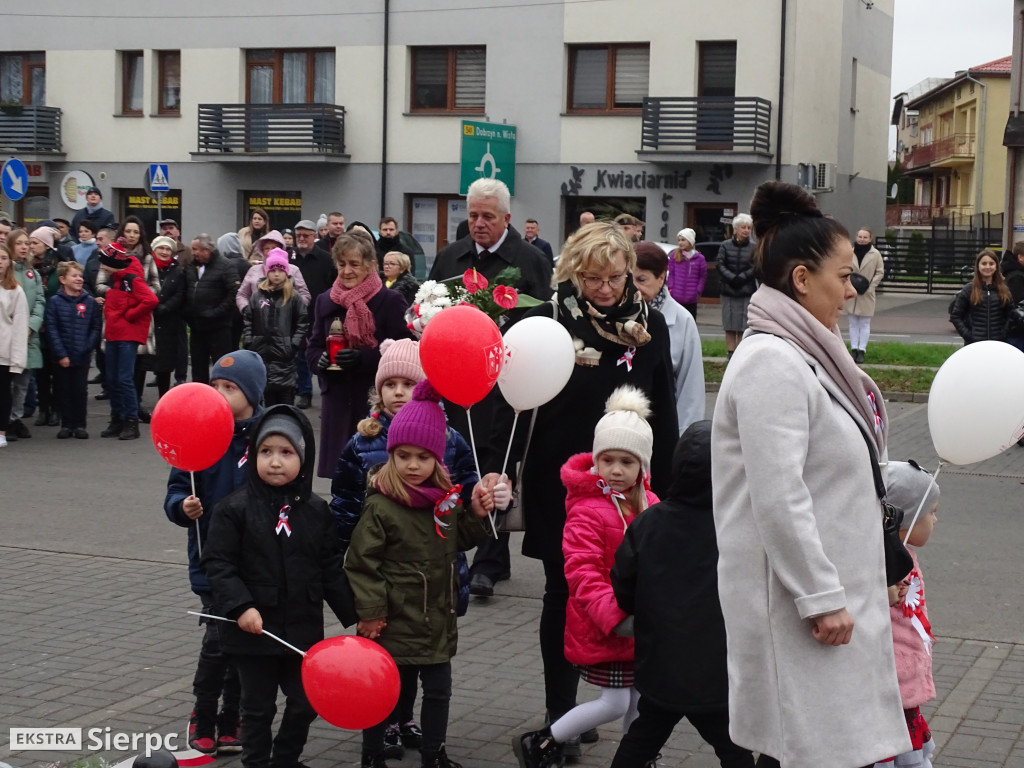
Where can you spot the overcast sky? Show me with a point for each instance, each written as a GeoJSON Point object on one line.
{"type": "Point", "coordinates": [935, 38]}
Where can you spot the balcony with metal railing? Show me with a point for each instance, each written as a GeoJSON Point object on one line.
{"type": "Point", "coordinates": [31, 130]}
{"type": "Point", "coordinates": [926, 215]}
{"type": "Point", "coordinates": [949, 151]}
{"type": "Point", "coordinates": [706, 129]}
{"type": "Point", "coordinates": [271, 133]}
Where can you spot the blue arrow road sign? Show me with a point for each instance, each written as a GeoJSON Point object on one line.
{"type": "Point", "coordinates": [15, 179]}
{"type": "Point", "coordinates": [159, 180]}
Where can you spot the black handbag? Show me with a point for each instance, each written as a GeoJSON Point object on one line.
{"type": "Point", "coordinates": [859, 283]}
{"type": "Point", "coordinates": [898, 562]}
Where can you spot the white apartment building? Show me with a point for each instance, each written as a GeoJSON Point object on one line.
{"type": "Point", "coordinates": [672, 110]}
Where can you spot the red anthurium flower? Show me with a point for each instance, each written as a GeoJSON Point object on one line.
{"type": "Point", "coordinates": [506, 296]}
{"type": "Point", "coordinates": [474, 281]}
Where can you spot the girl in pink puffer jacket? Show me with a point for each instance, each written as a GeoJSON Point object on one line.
{"type": "Point", "coordinates": [606, 490]}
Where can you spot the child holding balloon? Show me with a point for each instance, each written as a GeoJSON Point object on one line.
{"type": "Point", "coordinates": [401, 564]}
{"type": "Point", "coordinates": [274, 324]}
{"type": "Point", "coordinates": [910, 487]}
{"type": "Point", "coordinates": [606, 490]}
{"type": "Point", "coordinates": [397, 375]}
{"type": "Point", "coordinates": [240, 377]}
{"type": "Point", "coordinates": [272, 559]}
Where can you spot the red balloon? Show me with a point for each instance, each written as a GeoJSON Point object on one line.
{"type": "Point", "coordinates": [351, 682]}
{"type": "Point", "coordinates": [461, 351]}
{"type": "Point", "coordinates": [192, 426]}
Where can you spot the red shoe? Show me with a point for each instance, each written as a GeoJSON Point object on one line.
{"type": "Point", "coordinates": [228, 736]}
{"type": "Point", "coordinates": [200, 739]}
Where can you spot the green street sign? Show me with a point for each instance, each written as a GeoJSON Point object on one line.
{"type": "Point", "coordinates": [488, 152]}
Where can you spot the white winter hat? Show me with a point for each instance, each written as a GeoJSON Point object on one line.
{"type": "Point", "coordinates": [624, 425]}
{"type": "Point", "coordinates": [689, 234]}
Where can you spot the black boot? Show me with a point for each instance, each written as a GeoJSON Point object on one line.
{"type": "Point", "coordinates": [18, 428]}
{"type": "Point", "coordinates": [130, 431]}
{"type": "Point", "coordinates": [538, 749]}
{"type": "Point", "coordinates": [42, 418]}
{"type": "Point", "coordinates": [371, 760]}
{"type": "Point", "coordinates": [144, 415]}
{"type": "Point", "coordinates": [439, 759]}
{"type": "Point", "coordinates": [113, 428]}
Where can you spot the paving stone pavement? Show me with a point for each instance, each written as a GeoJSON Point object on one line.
{"type": "Point", "coordinates": [97, 641]}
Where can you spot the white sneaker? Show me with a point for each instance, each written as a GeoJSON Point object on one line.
{"type": "Point", "coordinates": [3, 441]}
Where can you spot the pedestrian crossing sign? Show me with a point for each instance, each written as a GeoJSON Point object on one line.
{"type": "Point", "coordinates": [158, 178]}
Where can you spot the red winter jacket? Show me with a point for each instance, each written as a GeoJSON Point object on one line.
{"type": "Point", "coordinates": [594, 528]}
{"type": "Point", "coordinates": [128, 305]}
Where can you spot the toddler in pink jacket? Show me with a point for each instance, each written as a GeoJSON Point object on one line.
{"type": "Point", "coordinates": [911, 632]}
{"type": "Point", "coordinates": [605, 491]}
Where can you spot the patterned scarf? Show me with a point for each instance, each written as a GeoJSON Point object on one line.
{"type": "Point", "coordinates": [621, 325]}
{"type": "Point", "coordinates": [359, 324]}
{"type": "Point", "coordinates": [659, 301]}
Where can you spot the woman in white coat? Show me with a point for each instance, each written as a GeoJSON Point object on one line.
{"type": "Point", "coordinates": [812, 679]}
{"type": "Point", "coordinates": [868, 263]}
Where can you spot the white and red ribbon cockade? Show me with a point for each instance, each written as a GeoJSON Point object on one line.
{"type": "Point", "coordinates": [282, 520]}
{"type": "Point", "coordinates": [607, 490]}
{"type": "Point", "coordinates": [443, 508]}
{"type": "Point", "coordinates": [913, 609]}
{"type": "Point", "coordinates": [627, 358]}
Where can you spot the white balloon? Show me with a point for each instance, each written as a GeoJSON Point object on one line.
{"type": "Point", "coordinates": [539, 359]}
{"type": "Point", "coordinates": [975, 408]}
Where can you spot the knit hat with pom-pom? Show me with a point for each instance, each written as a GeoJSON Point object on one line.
{"type": "Point", "coordinates": [420, 422]}
{"type": "Point", "coordinates": [624, 425]}
{"type": "Point", "coordinates": [401, 359]}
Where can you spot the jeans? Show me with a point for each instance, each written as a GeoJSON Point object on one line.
{"type": "Point", "coordinates": [652, 727]}
{"type": "Point", "coordinates": [124, 401]}
{"type": "Point", "coordinates": [261, 676]}
{"type": "Point", "coordinates": [19, 388]}
{"type": "Point", "coordinates": [437, 693]}
{"type": "Point", "coordinates": [305, 378]}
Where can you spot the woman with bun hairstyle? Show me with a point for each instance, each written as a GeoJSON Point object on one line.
{"type": "Point", "coordinates": [812, 677]}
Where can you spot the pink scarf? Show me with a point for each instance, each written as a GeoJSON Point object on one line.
{"type": "Point", "coordinates": [359, 325]}
{"type": "Point", "coordinates": [430, 497]}
{"type": "Point", "coordinates": [772, 311]}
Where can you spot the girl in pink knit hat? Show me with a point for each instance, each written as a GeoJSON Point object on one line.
{"type": "Point", "coordinates": [401, 565]}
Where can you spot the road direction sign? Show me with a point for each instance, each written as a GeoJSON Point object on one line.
{"type": "Point", "coordinates": [159, 179]}
{"type": "Point", "coordinates": [488, 152]}
{"type": "Point", "coordinates": [15, 179]}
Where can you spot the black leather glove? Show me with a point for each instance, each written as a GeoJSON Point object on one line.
{"type": "Point", "coordinates": [349, 359]}
{"type": "Point", "coordinates": [323, 362]}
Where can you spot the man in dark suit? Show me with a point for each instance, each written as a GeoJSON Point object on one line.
{"type": "Point", "coordinates": [531, 234]}
{"type": "Point", "coordinates": [491, 246]}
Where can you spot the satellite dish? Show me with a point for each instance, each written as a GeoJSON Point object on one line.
{"type": "Point", "coordinates": [894, 191]}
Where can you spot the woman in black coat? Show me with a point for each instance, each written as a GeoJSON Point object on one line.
{"type": "Point", "coordinates": [167, 320]}
{"type": "Point", "coordinates": [735, 265]}
{"type": "Point", "coordinates": [397, 275]}
{"type": "Point", "coordinates": [981, 311]}
{"type": "Point", "coordinates": [619, 340]}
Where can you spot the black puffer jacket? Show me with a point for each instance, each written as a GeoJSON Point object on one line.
{"type": "Point", "coordinates": [986, 320]}
{"type": "Point", "coordinates": [666, 575]}
{"type": "Point", "coordinates": [211, 300]}
{"type": "Point", "coordinates": [274, 330]}
{"type": "Point", "coordinates": [735, 264]}
{"type": "Point", "coordinates": [285, 577]}
{"type": "Point", "coordinates": [406, 285]}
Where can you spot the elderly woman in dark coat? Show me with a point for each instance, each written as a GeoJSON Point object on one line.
{"type": "Point", "coordinates": [369, 313]}
{"type": "Point", "coordinates": [619, 340]}
{"type": "Point", "coordinates": [397, 275]}
{"type": "Point", "coordinates": [735, 264]}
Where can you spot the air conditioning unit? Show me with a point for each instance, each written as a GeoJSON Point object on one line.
{"type": "Point", "coordinates": [823, 176]}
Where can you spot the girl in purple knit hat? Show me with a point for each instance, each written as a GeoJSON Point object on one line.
{"type": "Point", "coordinates": [401, 565]}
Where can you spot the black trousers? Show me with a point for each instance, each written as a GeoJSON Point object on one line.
{"type": "Point", "coordinates": [72, 384]}
{"type": "Point", "coordinates": [560, 677]}
{"type": "Point", "coordinates": [215, 676]}
{"type": "Point", "coordinates": [274, 394]}
{"type": "Point", "coordinates": [437, 693]}
{"type": "Point", "coordinates": [5, 397]}
{"type": "Point", "coordinates": [492, 558]}
{"type": "Point", "coordinates": [261, 676]}
{"type": "Point", "coordinates": [653, 725]}
{"type": "Point", "coordinates": [209, 344]}
{"type": "Point", "coordinates": [181, 355]}
{"type": "Point", "coordinates": [46, 388]}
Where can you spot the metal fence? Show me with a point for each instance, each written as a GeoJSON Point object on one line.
{"type": "Point", "coordinates": [268, 128]}
{"type": "Point", "coordinates": [939, 259]}
{"type": "Point", "coordinates": [28, 128]}
{"type": "Point", "coordinates": [706, 123]}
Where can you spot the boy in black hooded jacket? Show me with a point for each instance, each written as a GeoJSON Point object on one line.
{"type": "Point", "coordinates": [272, 558]}
{"type": "Point", "coordinates": [666, 576]}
